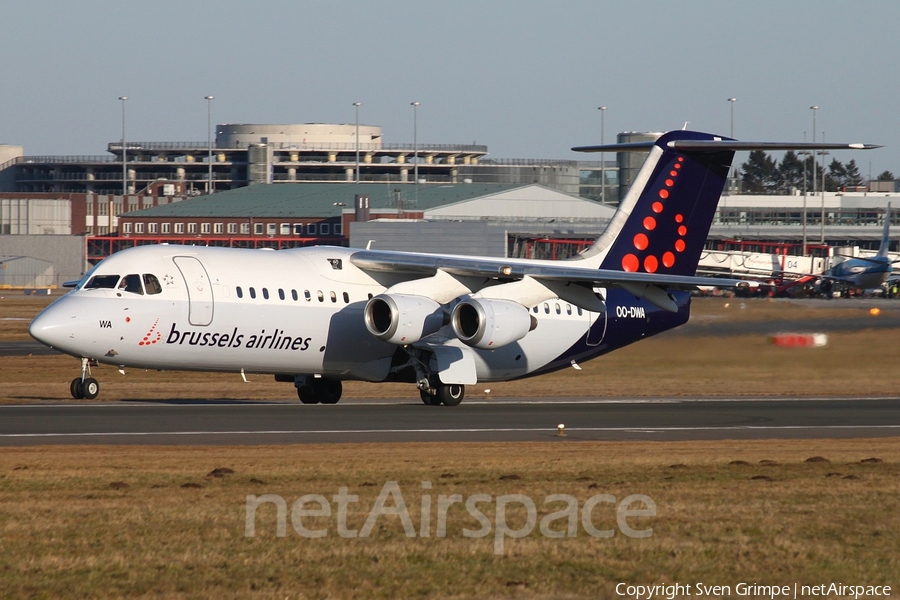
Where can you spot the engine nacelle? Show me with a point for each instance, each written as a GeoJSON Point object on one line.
{"type": "Point", "coordinates": [399, 319]}
{"type": "Point", "coordinates": [489, 324]}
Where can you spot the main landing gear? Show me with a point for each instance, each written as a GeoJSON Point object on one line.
{"type": "Point", "coordinates": [318, 390]}
{"type": "Point", "coordinates": [447, 394]}
{"type": "Point", "coordinates": [432, 390]}
{"type": "Point", "coordinates": [322, 390]}
{"type": "Point", "coordinates": [85, 387]}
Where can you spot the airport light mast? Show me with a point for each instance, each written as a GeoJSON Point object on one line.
{"type": "Point", "coordinates": [824, 154]}
{"type": "Point", "coordinates": [357, 105]}
{"type": "Point", "coordinates": [732, 169]}
{"type": "Point", "coordinates": [602, 110]}
{"type": "Point", "coordinates": [209, 100]}
{"type": "Point", "coordinates": [124, 157]}
{"type": "Point", "coordinates": [815, 159]}
{"type": "Point", "coordinates": [415, 106]}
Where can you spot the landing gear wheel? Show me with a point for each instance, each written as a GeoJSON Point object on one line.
{"type": "Point", "coordinates": [429, 399]}
{"type": "Point", "coordinates": [329, 391]}
{"type": "Point", "coordinates": [324, 391]}
{"type": "Point", "coordinates": [451, 394]}
{"type": "Point", "coordinates": [307, 395]}
{"type": "Point", "coordinates": [90, 388]}
{"type": "Point", "coordinates": [76, 389]}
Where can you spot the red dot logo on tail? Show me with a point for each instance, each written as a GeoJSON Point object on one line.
{"type": "Point", "coordinates": [641, 241]}
{"type": "Point", "coordinates": [651, 263]}
{"type": "Point", "coordinates": [668, 260]}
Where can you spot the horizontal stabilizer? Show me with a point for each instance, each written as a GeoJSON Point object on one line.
{"type": "Point", "coordinates": [724, 144]}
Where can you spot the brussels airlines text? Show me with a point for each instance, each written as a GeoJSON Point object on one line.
{"type": "Point", "coordinates": [235, 339]}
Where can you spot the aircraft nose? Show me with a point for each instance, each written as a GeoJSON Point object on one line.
{"type": "Point", "coordinates": [57, 325]}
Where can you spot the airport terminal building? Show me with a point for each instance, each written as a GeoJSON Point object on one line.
{"type": "Point", "coordinates": [248, 154]}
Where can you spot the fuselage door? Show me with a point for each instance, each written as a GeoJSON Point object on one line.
{"type": "Point", "coordinates": [597, 331]}
{"type": "Point", "coordinates": [200, 295]}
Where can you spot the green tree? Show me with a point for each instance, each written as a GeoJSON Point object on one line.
{"type": "Point", "coordinates": [790, 172]}
{"type": "Point", "coordinates": [836, 178]}
{"type": "Point", "coordinates": [886, 176]}
{"type": "Point", "coordinates": [760, 173]}
{"type": "Point", "coordinates": [853, 178]}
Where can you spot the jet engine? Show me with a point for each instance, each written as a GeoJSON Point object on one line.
{"type": "Point", "coordinates": [403, 319]}
{"type": "Point", "coordinates": [489, 324]}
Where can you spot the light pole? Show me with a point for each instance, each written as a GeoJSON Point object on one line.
{"type": "Point", "coordinates": [357, 105]}
{"type": "Point", "coordinates": [732, 169]}
{"type": "Point", "coordinates": [824, 153]}
{"type": "Point", "coordinates": [602, 110]}
{"type": "Point", "coordinates": [815, 158]}
{"type": "Point", "coordinates": [209, 100]}
{"type": "Point", "coordinates": [415, 106]}
{"type": "Point", "coordinates": [804, 154]}
{"type": "Point", "coordinates": [732, 100]}
{"type": "Point", "coordinates": [124, 158]}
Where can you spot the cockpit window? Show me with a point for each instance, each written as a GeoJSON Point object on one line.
{"type": "Point", "coordinates": [102, 282]}
{"type": "Point", "coordinates": [87, 276]}
{"type": "Point", "coordinates": [151, 284]}
{"type": "Point", "coordinates": [132, 284]}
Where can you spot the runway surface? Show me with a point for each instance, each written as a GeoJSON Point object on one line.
{"type": "Point", "coordinates": [26, 348]}
{"type": "Point", "coordinates": [224, 422]}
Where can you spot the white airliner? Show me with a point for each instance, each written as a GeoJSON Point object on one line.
{"type": "Point", "coordinates": [317, 316]}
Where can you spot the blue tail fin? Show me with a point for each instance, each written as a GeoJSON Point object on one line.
{"type": "Point", "coordinates": [886, 234]}
{"type": "Point", "coordinates": [662, 223]}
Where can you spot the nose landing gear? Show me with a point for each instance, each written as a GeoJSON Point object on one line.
{"type": "Point", "coordinates": [85, 387]}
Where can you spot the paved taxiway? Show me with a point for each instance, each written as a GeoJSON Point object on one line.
{"type": "Point", "coordinates": [25, 348]}
{"type": "Point", "coordinates": [224, 422]}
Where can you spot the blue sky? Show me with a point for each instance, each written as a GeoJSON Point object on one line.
{"type": "Point", "coordinates": [523, 77]}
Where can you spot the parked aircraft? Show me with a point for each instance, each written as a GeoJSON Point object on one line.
{"type": "Point", "coordinates": [863, 272]}
{"type": "Point", "coordinates": [316, 316]}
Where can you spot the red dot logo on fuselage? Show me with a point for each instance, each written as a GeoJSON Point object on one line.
{"type": "Point", "coordinates": [152, 336]}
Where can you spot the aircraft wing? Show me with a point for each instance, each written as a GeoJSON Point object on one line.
{"type": "Point", "coordinates": [650, 286]}
{"type": "Point", "coordinates": [428, 264]}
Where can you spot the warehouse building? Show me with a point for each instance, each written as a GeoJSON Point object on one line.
{"type": "Point", "coordinates": [26, 272]}
{"type": "Point", "coordinates": [457, 217]}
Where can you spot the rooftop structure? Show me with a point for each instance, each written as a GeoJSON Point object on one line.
{"type": "Point", "coordinates": [247, 154]}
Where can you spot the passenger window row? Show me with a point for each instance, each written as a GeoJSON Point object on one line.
{"type": "Point", "coordinates": [320, 295]}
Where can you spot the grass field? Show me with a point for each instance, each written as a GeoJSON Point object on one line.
{"type": "Point", "coordinates": [89, 521]}
{"type": "Point", "coordinates": [152, 522]}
